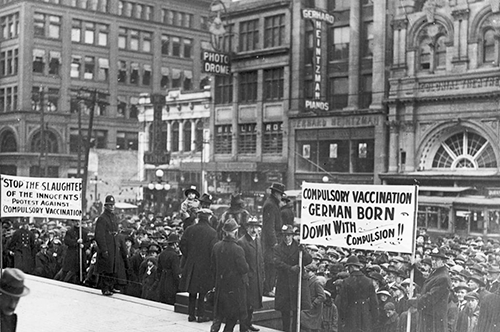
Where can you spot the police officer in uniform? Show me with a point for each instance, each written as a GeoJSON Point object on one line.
{"type": "Point", "coordinates": [21, 248]}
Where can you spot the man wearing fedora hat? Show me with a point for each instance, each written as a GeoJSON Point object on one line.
{"type": "Point", "coordinates": [358, 303]}
{"type": "Point", "coordinates": [12, 288]}
{"type": "Point", "coordinates": [432, 303]}
{"type": "Point", "coordinates": [237, 212]}
{"type": "Point", "coordinates": [231, 280]}
{"type": "Point", "coordinates": [271, 228]}
{"type": "Point", "coordinates": [250, 242]}
{"type": "Point", "coordinates": [169, 270]}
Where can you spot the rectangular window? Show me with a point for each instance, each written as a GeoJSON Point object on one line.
{"type": "Point", "coordinates": [54, 62]}
{"type": "Point", "coordinates": [54, 27]}
{"type": "Point", "coordinates": [38, 61]}
{"type": "Point", "coordinates": [89, 69]}
{"type": "Point", "coordinates": [223, 89]}
{"type": "Point", "coordinates": [340, 44]}
{"type": "Point", "coordinates": [339, 92]}
{"type": "Point", "coordinates": [164, 83]}
{"type": "Point", "coordinates": [165, 45]}
{"type": "Point", "coordinates": [146, 76]}
{"type": "Point", "coordinates": [103, 71]}
{"type": "Point", "coordinates": [273, 84]}
{"type": "Point", "coordinates": [39, 24]}
{"type": "Point", "coordinates": [76, 31]}
{"type": "Point", "coordinates": [146, 41]}
{"type": "Point", "coordinates": [52, 100]}
{"type": "Point", "coordinates": [102, 35]}
{"type": "Point", "coordinates": [76, 63]}
{"type": "Point", "coordinates": [274, 31]}
{"type": "Point", "coordinates": [362, 155]}
{"type": "Point", "coordinates": [89, 33]}
{"type": "Point", "coordinates": [187, 84]}
{"type": "Point", "coordinates": [248, 86]}
{"type": "Point", "coordinates": [122, 71]}
{"type": "Point", "coordinates": [204, 23]}
{"type": "Point", "coordinates": [176, 46]}
{"type": "Point", "coordinates": [187, 47]}
{"type": "Point", "coordinates": [272, 140]}
{"type": "Point", "coordinates": [134, 73]}
{"type": "Point", "coordinates": [122, 38]}
{"type": "Point", "coordinates": [223, 139]}
{"type": "Point", "coordinates": [249, 35]}
{"type": "Point", "coordinates": [366, 91]}
{"type": "Point", "coordinates": [247, 138]}
{"type": "Point", "coordinates": [48, 26]}
{"type": "Point", "coordinates": [10, 26]}
{"type": "Point", "coordinates": [127, 140]}
{"type": "Point", "coordinates": [176, 78]}
{"type": "Point", "coordinates": [367, 47]}
{"type": "Point", "coordinates": [134, 40]}
{"type": "Point", "coordinates": [227, 40]}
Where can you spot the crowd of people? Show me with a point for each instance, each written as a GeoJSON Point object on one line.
{"type": "Point", "coordinates": [228, 263]}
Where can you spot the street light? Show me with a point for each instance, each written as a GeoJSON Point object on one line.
{"type": "Point", "coordinates": [158, 187]}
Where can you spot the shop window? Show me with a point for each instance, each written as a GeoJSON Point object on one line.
{"type": "Point", "coordinates": [223, 139]}
{"type": "Point", "coordinates": [307, 156]}
{"type": "Point", "coordinates": [494, 221]}
{"type": "Point", "coordinates": [333, 155]}
{"type": "Point", "coordinates": [165, 45]}
{"type": "Point", "coordinates": [127, 141]}
{"type": "Point", "coordinates": [247, 138]}
{"type": "Point", "coordinates": [247, 86]}
{"type": "Point", "coordinates": [362, 156]}
{"type": "Point", "coordinates": [476, 221]}
{"type": "Point", "coordinates": [367, 47]}
{"type": "Point", "coordinates": [272, 140]}
{"type": "Point", "coordinates": [433, 217]}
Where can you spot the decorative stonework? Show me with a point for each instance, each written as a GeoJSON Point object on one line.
{"type": "Point", "coordinates": [400, 24]}
{"type": "Point", "coordinates": [495, 6]}
{"type": "Point", "coordinates": [461, 14]}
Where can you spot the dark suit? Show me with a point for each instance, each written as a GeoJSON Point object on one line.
{"type": "Point", "coordinates": [271, 229]}
{"type": "Point", "coordinates": [231, 280]}
{"type": "Point", "coordinates": [358, 304]}
{"type": "Point", "coordinates": [255, 260]}
{"type": "Point", "coordinates": [433, 302]}
{"type": "Point", "coordinates": [169, 270]}
{"type": "Point", "coordinates": [196, 246]}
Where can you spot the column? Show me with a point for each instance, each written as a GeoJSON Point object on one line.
{"type": "Point", "coordinates": [379, 59]}
{"type": "Point", "coordinates": [355, 25]}
{"type": "Point", "coordinates": [181, 135]}
{"type": "Point", "coordinates": [393, 139]}
{"type": "Point", "coordinates": [234, 152]}
{"type": "Point", "coordinates": [194, 143]}
{"type": "Point", "coordinates": [169, 136]}
{"type": "Point", "coordinates": [460, 24]}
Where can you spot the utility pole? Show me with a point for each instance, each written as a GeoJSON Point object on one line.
{"type": "Point", "coordinates": [42, 160]}
{"type": "Point", "coordinates": [94, 98]}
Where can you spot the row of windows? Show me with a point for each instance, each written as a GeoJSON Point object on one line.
{"type": "Point", "coordinates": [9, 62]}
{"type": "Point", "coordinates": [176, 46]}
{"type": "Point", "coordinates": [134, 40]}
{"type": "Point", "coordinates": [124, 140]}
{"type": "Point", "coordinates": [10, 26]}
{"type": "Point", "coordinates": [177, 18]}
{"type": "Point", "coordinates": [250, 34]}
{"type": "Point", "coordinates": [272, 87]}
{"type": "Point", "coordinates": [135, 10]}
{"type": "Point", "coordinates": [187, 135]}
{"type": "Point", "coordinates": [272, 138]}
{"type": "Point", "coordinates": [8, 99]}
{"type": "Point", "coordinates": [89, 33]}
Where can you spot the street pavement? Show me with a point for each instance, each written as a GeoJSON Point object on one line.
{"type": "Point", "coordinates": [57, 306]}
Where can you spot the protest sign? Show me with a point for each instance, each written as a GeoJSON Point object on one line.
{"type": "Point", "coordinates": [369, 217]}
{"type": "Point", "coordinates": [40, 197]}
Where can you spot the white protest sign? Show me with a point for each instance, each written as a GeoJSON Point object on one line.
{"type": "Point", "coordinates": [40, 197]}
{"type": "Point", "coordinates": [369, 217]}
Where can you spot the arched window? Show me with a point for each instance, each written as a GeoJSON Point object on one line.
{"type": "Point", "coordinates": [187, 136]}
{"type": "Point", "coordinates": [175, 137]}
{"type": "Point", "coordinates": [425, 54]}
{"type": "Point", "coordinates": [8, 143]}
{"type": "Point", "coordinates": [50, 142]}
{"type": "Point", "coordinates": [465, 150]}
{"type": "Point", "coordinates": [440, 52]}
{"type": "Point", "coordinates": [489, 54]}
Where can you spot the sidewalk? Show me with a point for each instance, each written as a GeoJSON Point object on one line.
{"type": "Point", "coordinates": [57, 306]}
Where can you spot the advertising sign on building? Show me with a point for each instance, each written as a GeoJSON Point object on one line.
{"type": "Point", "coordinates": [41, 197]}
{"type": "Point", "coordinates": [215, 63]}
{"type": "Point", "coordinates": [317, 17]}
{"type": "Point", "coordinates": [367, 217]}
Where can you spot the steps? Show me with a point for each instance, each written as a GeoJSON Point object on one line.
{"type": "Point", "coordinates": [266, 316]}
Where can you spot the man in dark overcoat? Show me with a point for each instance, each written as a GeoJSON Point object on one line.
{"type": "Point", "coordinates": [432, 304]}
{"type": "Point", "coordinates": [169, 270]}
{"type": "Point", "coordinates": [196, 246]}
{"type": "Point", "coordinates": [271, 228]}
{"type": "Point", "coordinates": [108, 253]}
{"type": "Point", "coordinates": [286, 260]}
{"type": "Point", "coordinates": [135, 286]}
{"type": "Point", "coordinates": [76, 245]}
{"type": "Point", "coordinates": [231, 280]}
{"type": "Point", "coordinates": [358, 303]}
{"type": "Point", "coordinates": [287, 214]}
{"type": "Point", "coordinates": [250, 242]}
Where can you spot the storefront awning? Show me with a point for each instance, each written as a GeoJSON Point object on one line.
{"type": "Point", "coordinates": [471, 201]}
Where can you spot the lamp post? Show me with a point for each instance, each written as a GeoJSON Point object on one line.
{"type": "Point", "coordinates": [158, 188]}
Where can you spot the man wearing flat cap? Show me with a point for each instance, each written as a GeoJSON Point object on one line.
{"type": "Point", "coordinates": [12, 288]}
{"type": "Point", "coordinates": [271, 228]}
{"type": "Point", "coordinates": [432, 304]}
{"type": "Point", "coordinates": [358, 303]}
{"type": "Point", "coordinates": [231, 280]}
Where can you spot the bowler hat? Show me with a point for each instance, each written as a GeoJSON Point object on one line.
{"type": "Point", "coordinates": [12, 283]}
{"type": "Point", "coordinates": [252, 221]}
{"type": "Point", "coordinates": [287, 229]}
{"type": "Point", "coordinates": [173, 238]}
{"type": "Point", "coordinates": [206, 198]}
{"type": "Point", "coordinates": [109, 200]}
{"type": "Point", "coordinates": [353, 260]}
{"type": "Point", "coordinates": [389, 306]}
{"type": "Point", "coordinates": [439, 254]}
{"type": "Point", "coordinates": [461, 285]}
{"type": "Point", "coordinates": [279, 187]}
{"type": "Point", "coordinates": [477, 279]}
{"type": "Point", "coordinates": [230, 225]}
{"type": "Point", "coordinates": [192, 190]}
